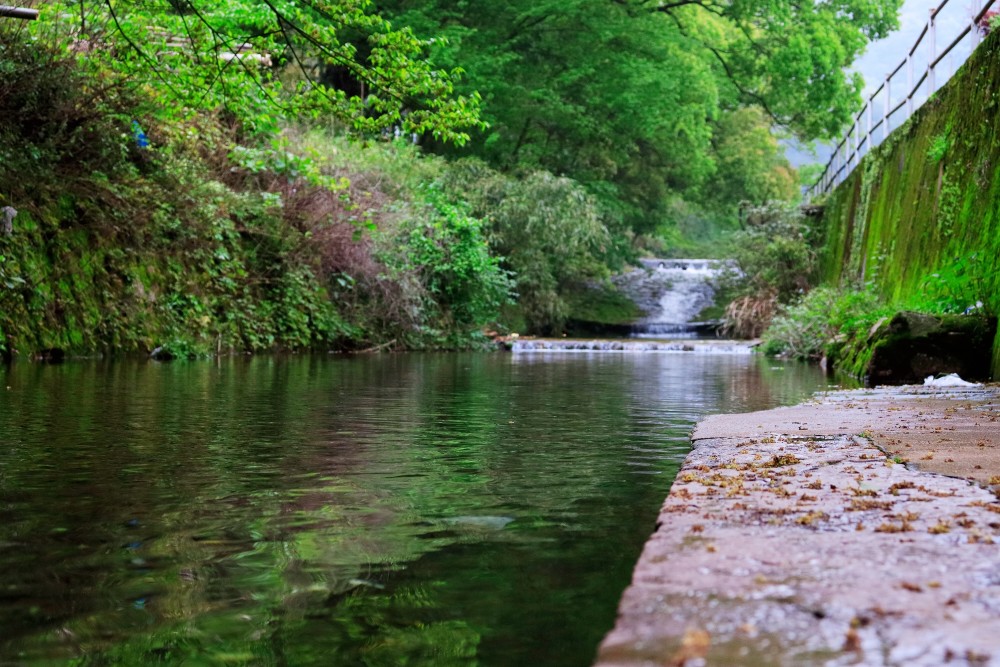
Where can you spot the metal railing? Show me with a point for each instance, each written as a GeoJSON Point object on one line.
{"type": "Point", "coordinates": [885, 110]}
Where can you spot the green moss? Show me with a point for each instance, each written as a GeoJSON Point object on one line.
{"type": "Point", "coordinates": [927, 199]}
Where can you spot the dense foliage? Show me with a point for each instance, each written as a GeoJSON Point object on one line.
{"type": "Point", "coordinates": [264, 61]}
{"type": "Point", "coordinates": [549, 231]}
{"type": "Point", "coordinates": [824, 322]}
{"type": "Point", "coordinates": [186, 246]}
{"type": "Point", "coordinates": [645, 102]}
{"type": "Point", "coordinates": [183, 180]}
{"type": "Point", "coordinates": [774, 264]}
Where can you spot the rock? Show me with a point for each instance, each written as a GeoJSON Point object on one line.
{"type": "Point", "coordinates": [161, 353]}
{"type": "Point", "coordinates": [911, 346]}
{"type": "Point", "coordinates": [480, 522]}
{"type": "Point", "coordinates": [7, 215]}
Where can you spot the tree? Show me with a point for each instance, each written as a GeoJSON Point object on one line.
{"type": "Point", "coordinates": [261, 60]}
{"type": "Point", "coordinates": [577, 87]}
{"type": "Point", "coordinates": [750, 165]}
{"type": "Point", "coordinates": [787, 57]}
{"type": "Point", "coordinates": [630, 97]}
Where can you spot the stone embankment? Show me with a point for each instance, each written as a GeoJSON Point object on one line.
{"type": "Point", "coordinates": [857, 530]}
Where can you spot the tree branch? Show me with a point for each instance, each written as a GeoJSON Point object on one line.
{"type": "Point", "coordinates": [749, 94]}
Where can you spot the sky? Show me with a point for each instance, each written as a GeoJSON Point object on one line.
{"type": "Point", "coordinates": [882, 56]}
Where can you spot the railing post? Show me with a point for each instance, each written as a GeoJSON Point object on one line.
{"type": "Point", "coordinates": [932, 37]}
{"type": "Point", "coordinates": [909, 85]}
{"type": "Point", "coordinates": [855, 133]}
{"type": "Point", "coordinates": [868, 134]}
{"type": "Point", "coordinates": [848, 151]}
{"type": "Point", "coordinates": [887, 104]}
{"type": "Point", "coordinates": [857, 140]}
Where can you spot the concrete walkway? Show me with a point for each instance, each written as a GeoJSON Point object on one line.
{"type": "Point", "coordinates": [801, 536]}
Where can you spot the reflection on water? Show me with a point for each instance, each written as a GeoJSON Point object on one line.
{"type": "Point", "coordinates": [388, 510]}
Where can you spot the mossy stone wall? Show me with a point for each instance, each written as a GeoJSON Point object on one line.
{"type": "Point", "coordinates": [921, 214]}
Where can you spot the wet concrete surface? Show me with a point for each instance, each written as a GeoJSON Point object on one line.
{"type": "Point", "coordinates": [793, 537]}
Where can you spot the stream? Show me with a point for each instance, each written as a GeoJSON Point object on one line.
{"type": "Point", "coordinates": [409, 509]}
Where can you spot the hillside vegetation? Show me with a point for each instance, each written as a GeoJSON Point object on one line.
{"type": "Point", "coordinates": [229, 176]}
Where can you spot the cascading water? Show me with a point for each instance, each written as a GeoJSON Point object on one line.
{"type": "Point", "coordinates": [673, 292]}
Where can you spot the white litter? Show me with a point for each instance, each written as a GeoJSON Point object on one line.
{"type": "Point", "coordinates": [950, 380]}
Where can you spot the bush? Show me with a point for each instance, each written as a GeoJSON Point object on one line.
{"type": "Point", "coordinates": [446, 249]}
{"type": "Point", "coordinates": [825, 322]}
{"type": "Point", "coordinates": [773, 264]}
{"type": "Point", "coordinates": [549, 231]}
{"type": "Point", "coordinates": [749, 315]}
{"type": "Point", "coordinates": [962, 285]}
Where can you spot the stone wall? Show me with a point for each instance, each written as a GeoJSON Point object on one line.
{"type": "Point", "coordinates": [920, 217]}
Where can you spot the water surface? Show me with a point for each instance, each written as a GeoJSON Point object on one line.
{"type": "Point", "coordinates": [414, 509]}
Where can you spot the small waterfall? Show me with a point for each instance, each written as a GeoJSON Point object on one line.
{"type": "Point", "coordinates": [710, 347]}
{"type": "Point", "coordinates": [673, 292]}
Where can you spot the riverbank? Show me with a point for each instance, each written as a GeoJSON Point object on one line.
{"type": "Point", "coordinates": [803, 536]}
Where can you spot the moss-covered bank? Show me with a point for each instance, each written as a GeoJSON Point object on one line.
{"type": "Point", "coordinates": [136, 231]}
{"type": "Point", "coordinates": [920, 217]}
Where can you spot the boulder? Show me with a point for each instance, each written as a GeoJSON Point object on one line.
{"type": "Point", "coordinates": [910, 346]}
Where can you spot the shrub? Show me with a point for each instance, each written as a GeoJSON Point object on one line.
{"type": "Point", "coordinates": [773, 264]}
{"type": "Point", "coordinates": [549, 231]}
{"type": "Point", "coordinates": [445, 247]}
{"type": "Point", "coordinates": [749, 315]}
{"type": "Point", "coordinates": [964, 284]}
{"type": "Point", "coordinates": [940, 144]}
{"type": "Point", "coordinates": [825, 322]}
